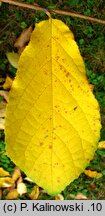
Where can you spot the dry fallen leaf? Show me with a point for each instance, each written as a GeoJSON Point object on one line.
{"type": "Point", "coordinates": [21, 188]}
{"type": "Point", "coordinates": [19, 180]}
{"type": "Point", "coordinates": [4, 94]}
{"type": "Point", "coordinates": [13, 58]}
{"type": "Point", "coordinates": [92, 174]}
{"type": "Point", "coordinates": [79, 196]}
{"type": "Point", "coordinates": [101, 145]}
{"type": "Point", "coordinates": [6, 182]}
{"type": "Point", "coordinates": [2, 122]}
{"type": "Point", "coordinates": [2, 109]}
{"type": "Point", "coordinates": [23, 39]}
{"type": "Point", "coordinates": [59, 197]}
{"type": "Point", "coordinates": [28, 179]}
{"type": "Point", "coordinates": [2, 114]}
{"type": "Point", "coordinates": [0, 194]}
{"type": "Point", "coordinates": [92, 186]}
{"type": "Point", "coordinates": [35, 193]}
{"type": "Point", "coordinates": [16, 174]}
{"type": "Point", "coordinates": [8, 83]}
{"type": "Point", "coordinates": [13, 194]}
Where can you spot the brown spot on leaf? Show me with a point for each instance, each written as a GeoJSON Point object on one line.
{"type": "Point", "coordinates": [57, 57]}
{"type": "Point", "coordinates": [45, 73]}
{"type": "Point", "coordinates": [56, 164]}
{"type": "Point", "coordinates": [75, 108]}
{"type": "Point", "coordinates": [50, 146]}
{"type": "Point", "coordinates": [60, 67]}
{"type": "Point", "coordinates": [41, 143]}
{"type": "Point", "coordinates": [54, 128]}
{"type": "Point", "coordinates": [58, 180]}
{"type": "Point", "coordinates": [67, 74]}
{"type": "Point", "coordinates": [56, 106]}
{"type": "Point", "coordinates": [46, 136]}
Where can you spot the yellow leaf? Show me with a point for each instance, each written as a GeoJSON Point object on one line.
{"type": "Point", "coordinates": [13, 58]}
{"type": "Point", "coordinates": [6, 182]}
{"type": "Point", "coordinates": [3, 172]}
{"type": "Point", "coordinates": [101, 145]}
{"type": "Point", "coordinates": [52, 119]}
{"type": "Point", "coordinates": [13, 194]}
{"type": "Point", "coordinates": [35, 193]}
{"type": "Point", "coordinates": [92, 174]}
{"type": "Point", "coordinates": [8, 83]}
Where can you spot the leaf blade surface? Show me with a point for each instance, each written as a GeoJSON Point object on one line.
{"type": "Point", "coordinates": [56, 116]}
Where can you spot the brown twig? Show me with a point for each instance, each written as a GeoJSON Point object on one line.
{"type": "Point", "coordinates": [36, 7]}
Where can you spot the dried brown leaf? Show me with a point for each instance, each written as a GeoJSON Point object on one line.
{"type": "Point", "coordinates": [4, 94]}
{"type": "Point", "coordinates": [16, 174]}
{"type": "Point", "coordinates": [2, 122]}
{"type": "Point", "coordinates": [2, 114]}
{"type": "Point", "coordinates": [92, 186]}
{"type": "Point", "coordinates": [23, 39]}
{"type": "Point", "coordinates": [19, 180]}
{"type": "Point", "coordinates": [2, 109]}
{"type": "Point", "coordinates": [79, 196]}
{"type": "Point", "coordinates": [35, 193]}
{"type": "Point", "coordinates": [0, 194]}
